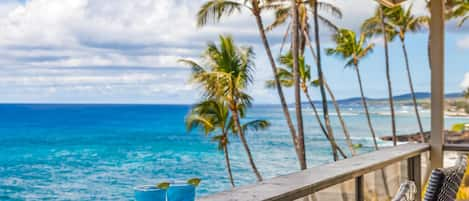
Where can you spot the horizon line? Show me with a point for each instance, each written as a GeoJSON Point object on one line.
{"type": "Point", "coordinates": [175, 104]}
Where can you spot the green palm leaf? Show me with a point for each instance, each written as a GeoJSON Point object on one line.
{"type": "Point", "coordinates": [214, 10]}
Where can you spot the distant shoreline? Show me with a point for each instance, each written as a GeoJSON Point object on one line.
{"type": "Point", "coordinates": [456, 114]}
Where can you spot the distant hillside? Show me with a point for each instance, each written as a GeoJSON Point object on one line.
{"type": "Point", "coordinates": [425, 95]}
{"type": "Point", "coordinates": [403, 97]}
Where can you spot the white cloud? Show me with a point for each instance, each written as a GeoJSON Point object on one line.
{"type": "Point", "coordinates": [44, 41]}
{"type": "Point", "coordinates": [107, 30]}
{"type": "Point", "coordinates": [122, 47]}
{"type": "Point", "coordinates": [465, 82]}
{"type": "Point", "coordinates": [463, 43]}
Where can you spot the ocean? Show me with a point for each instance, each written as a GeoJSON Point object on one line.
{"type": "Point", "coordinates": [101, 152]}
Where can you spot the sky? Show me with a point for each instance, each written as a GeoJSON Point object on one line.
{"type": "Point", "coordinates": [123, 51]}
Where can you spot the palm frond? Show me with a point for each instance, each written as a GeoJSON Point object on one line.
{"type": "Point", "coordinates": [330, 9]}
{"type": "Point", "coordinates": [461, 22]}
{"type": "Point", "coordinates": [214, 10]}
{"type": "Point", "coordinates": [349, 47]}
{"type": "Point", "coordinates": [281, 16]}
{"type": "Point", "coordinates": [196, 68]}
{"type": "Point", "coordinates": [197, 121]}
{"type": "Point", "coordinates": [284, 38]}
{"type": "Point", "coordinates": [270, 84]}
{"type": "Point", "coordinates": [329, 24]}
{"type": "Point", "coordinates": [315, 83]}
{"type": "Point", "coordinates": [256, 125]}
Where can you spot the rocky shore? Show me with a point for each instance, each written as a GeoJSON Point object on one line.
{"type": "Point", "coordinates": [450, 137]}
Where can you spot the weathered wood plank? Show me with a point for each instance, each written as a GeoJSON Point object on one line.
{"type": "Point", "coordinates": [456, 147]}
{"type": "Point", "coordinates": [300, 184]}
{"type": "Point", "coordinates": [415, 175]}
{"type": "Point", "coordinates": [359, 192]}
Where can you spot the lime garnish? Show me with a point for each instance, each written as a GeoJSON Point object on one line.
{"type": "Point", "coordinates": [194, 181]}
{"type": "Point", "coordinates": [357, 146]}
{"type": "Point", "coordinates": [458, 127]}
{"type": "Point", "coordinates": [163, 185]}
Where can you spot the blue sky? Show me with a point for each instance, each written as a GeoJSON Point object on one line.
{"type": "Point", "coordinates": [122, 51]}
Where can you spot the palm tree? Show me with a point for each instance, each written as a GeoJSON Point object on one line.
{"type": "Point", "coordinates": [304, 7]}
{"type": "Point", "coordinates": [215, 10]}
{"type": "Point", "coordinates": [226, 73]}
{"type": "Point", "coordinates": [282, 15]}
{"type": "Point", "coordinates": [375, 25]}
{"type": "Point", "coordinates": [403, 22]}
{"type": "Point", "coordinates": [213, 116]}
{"type": "Point", "coordinates": [285, 74]}
{"type": "Point", "coordinates": [299, 13]}
{"type": "Point", "coordinates": [353, 50]}
{"type": "Point", "coordinates": [295, 42]}
{"type": "Point", "coordinates": [321, 78]}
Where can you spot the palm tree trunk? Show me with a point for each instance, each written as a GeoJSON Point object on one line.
{"type": "Point", "coordinates": [302, 27]}
{"type": "Point", "coordinates": [278, 86]}
{"type": "Point", "coordinates": [365, 106]}
{"type": "Point", "coordinates": [296, 76]}
{"type": "Point", "coordinates": [284, 38]}
{"type": "Point", "coordinates": [320, 73]}
{"type": "Point", "coordinates": [308, 42]}
{"type": "Point", "coordinates": [228, 165]}
{"type": "Point", "coordinates": [237, 123]}
{"type": "Point", "coordinates": [412, 91]}
{"type": "Point", "coordinates": [332, 141]}
{"type": "Point", "coordinates": [341, 119]}
{"type": "Point", "coordinates": [388, 78]}
{"type": "Point", "coordinates": [367, 113]}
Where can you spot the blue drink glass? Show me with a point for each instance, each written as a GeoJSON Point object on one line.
{"type": "Point", "coordinates": [149, 193]}
{"type": "Point", "coordinates": [181, 192]}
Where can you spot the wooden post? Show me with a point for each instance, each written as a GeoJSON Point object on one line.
{"type": "Point", "coordinates": [437, 30]}
{"type": "Point", "coordinates": [414, 174]}
{"type": "Point", "coordinates": [359, 193]}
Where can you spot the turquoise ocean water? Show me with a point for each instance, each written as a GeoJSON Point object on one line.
{"type": "Point", "coordinates": [100, 152]}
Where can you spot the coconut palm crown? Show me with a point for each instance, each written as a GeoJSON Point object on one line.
{"type": "Point", "coordinates": [353, 49]}
{"type": "Point", "coordinates": [373, 25]}
{"type": "Point", "coordinates": [225, 74]}
{"type": "Point", "coordinates": [226, 71]}
{"type": "Point", "coordinates": [214, 118]}
{"type": "Point", "coordinates": [349, 48]}
{"type": "Point", "coordinates": [305, 9]}
{"type": "Point", "coordinates": [285, 73]}
{"type": "Point", "coordinates": [404, 22]}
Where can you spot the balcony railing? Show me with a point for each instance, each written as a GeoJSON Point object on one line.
{"type": "Point", "coordinates": [307, 182]}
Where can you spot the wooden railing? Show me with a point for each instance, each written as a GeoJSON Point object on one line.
{"type": "Point", "coordinates": [300, 184]}
{"type": "Point", "coordinates": [456, 147]}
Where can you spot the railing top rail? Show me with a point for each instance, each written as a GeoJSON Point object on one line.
{"type": "Point", "coordinates": [456, 147]}
{"type": "Point", "coordinates": [300, 184]}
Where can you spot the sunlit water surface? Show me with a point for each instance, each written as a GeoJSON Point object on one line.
{"type": "Point", "coordinates": [100, 152]}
